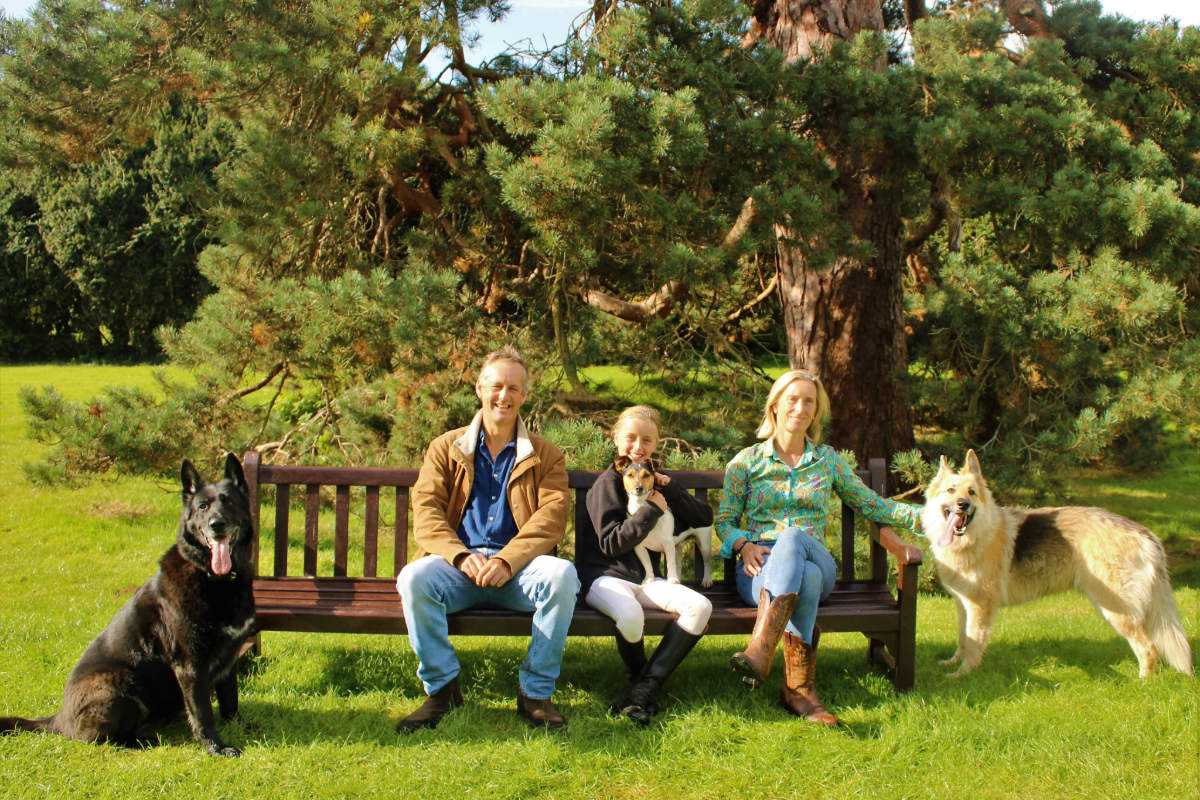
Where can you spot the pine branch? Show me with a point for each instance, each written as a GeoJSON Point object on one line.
{"type": "Point", "coordinates": [734, 316]}
{"type": "Point", "coordinates": [251, 390]}
{"type": "Point", "coordinates": [937, 215]}
{"type": "Point", "coordinates": [657, 305]}
{"type": "Point", "coordinates": [740, 225]}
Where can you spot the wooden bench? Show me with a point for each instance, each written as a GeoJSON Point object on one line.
{"type": "Point", "coordinates": [337, 603]}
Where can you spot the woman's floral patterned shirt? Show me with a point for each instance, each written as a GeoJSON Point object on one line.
{"type": "Point", "coordinates": [768, 496]}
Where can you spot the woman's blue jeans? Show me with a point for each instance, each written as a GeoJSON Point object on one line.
{"type": "Point", "coordinates": [797, 563]}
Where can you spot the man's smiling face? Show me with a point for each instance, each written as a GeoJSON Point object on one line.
{"type": "Point", "coordinates": [501, 390]}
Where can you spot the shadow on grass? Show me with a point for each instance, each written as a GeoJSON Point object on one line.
{"type": "Point", "coordinates": [703, 688]}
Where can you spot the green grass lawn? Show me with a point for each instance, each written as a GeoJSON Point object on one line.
{"type": "Point", "coordinates": [1056, 710]}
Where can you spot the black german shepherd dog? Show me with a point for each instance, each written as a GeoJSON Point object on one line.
{"type": "Point", "coordinates": [178, 637]}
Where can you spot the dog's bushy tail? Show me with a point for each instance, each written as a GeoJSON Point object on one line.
{"type": "Point", "coordinates": [1164, 627]}
{"type": "Point", "coordinates": [11, 724]}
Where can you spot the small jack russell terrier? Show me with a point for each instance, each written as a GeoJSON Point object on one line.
{"type": "Point", "coordinates": [638, 477]}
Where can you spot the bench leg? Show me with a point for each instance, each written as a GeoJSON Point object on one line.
{"type": "Point", "coordinates": [906, 650]}
{"type": "Point", "coordinates": [877, 653]}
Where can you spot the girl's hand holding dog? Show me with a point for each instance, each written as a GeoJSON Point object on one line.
{"type": "Point", "coordinates": [661, 480]}
{"type": "Point", "coordinates": [753, 556]}
{"type": "Point", "coordinates": [657, 498]}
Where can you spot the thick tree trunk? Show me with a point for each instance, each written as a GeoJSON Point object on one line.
{"type": "Point", "coordinates": [845, 322]}
{"type": "Point", "coordinates": [802, 28]}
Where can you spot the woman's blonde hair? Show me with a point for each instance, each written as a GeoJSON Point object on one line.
{"type": "Point", "coordinates": [644, 413]}
{"type": "Point", "coordinates": [767, 429]}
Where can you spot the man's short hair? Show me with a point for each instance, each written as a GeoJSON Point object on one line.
{"type": "Point", "coordinates": [510, 354]}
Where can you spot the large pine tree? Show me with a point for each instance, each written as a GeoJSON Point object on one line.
{"type": "Point", "coordinates": [991, 241]}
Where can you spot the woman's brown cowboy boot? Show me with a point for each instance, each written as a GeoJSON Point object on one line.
{"type": "Point", "coordinates": [754, 663]}
{"type": "Point", "coordinates": [800, 671]}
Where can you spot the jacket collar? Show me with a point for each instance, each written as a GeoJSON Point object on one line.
{"type": "Point", "coordinates": [467, 442]}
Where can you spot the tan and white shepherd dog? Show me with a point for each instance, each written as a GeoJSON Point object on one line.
{"type": "Point", "coordinates": [990, 556]}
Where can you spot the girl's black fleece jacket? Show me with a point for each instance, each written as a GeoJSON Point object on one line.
{"type": "Point", "coordinates": [604, 544]}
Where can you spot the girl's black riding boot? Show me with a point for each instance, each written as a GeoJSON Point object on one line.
{"type": "Point", "coordinates": [633, 654]}
{"type": "Point", "coordinates": [638, 703]}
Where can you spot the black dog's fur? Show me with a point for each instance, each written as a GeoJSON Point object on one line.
{"type": "Point", "coordinates": [178, 637]}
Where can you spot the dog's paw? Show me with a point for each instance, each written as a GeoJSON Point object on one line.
{"type": "Point", "coordinates": [223, 750]}
{"type": "Point", "coordinates": [950, 661]}
{"type": "Point", "coordinates": [649, 580]}
{"type": "Point", "coordinates": [672, 580]}
{"type": "Point", "coordinates": [707, 582]}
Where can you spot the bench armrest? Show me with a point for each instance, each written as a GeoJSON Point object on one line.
{"type": "Point", "coordinates": [904, 552]}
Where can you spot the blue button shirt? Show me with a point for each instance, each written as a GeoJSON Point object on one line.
{"type": "Point", "coordinates": [487, 520]}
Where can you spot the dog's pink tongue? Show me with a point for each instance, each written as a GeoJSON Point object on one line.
{"type": "Point", "coordinates": [221, 563]}
{"type": "Point", "coordinates": [952, 523]}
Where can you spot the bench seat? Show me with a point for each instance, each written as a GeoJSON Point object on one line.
{"type": "Point", "coordinates": [339, 603]}
{"type": "Point", "coordinates": [372, 605]}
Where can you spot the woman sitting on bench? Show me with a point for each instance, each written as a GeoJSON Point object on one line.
{"type": "Point", "coordinates": [779, 491]}
{"type": "Point", "coordinates": [612, 576]}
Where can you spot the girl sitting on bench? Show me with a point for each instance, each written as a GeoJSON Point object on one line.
{"type": "Point", "coordinates": [612, 576]}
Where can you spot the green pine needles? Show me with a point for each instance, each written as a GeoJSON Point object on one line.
{"type": "Point", "coordinates": [370, 221]}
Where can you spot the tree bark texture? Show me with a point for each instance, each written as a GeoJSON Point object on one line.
{"type": "Point", "coordinates": [845, 322]}
{"type": "Point", "coordinates": [802, 28]}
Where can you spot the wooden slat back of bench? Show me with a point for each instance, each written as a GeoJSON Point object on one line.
{"type": "Point", "coordinates": [402, 480]}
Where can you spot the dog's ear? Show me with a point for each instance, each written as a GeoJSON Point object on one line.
{"type": "Point", "coordinates": [190, 479]}
{"type": "Point", "coordinates": [620, 463]}
{"type": "Point", "coordinates": [233, 472]}
{"type": "Point", "coordinates": [655, 466]}
{"type": "Point", "coordinates": [973, 465]}
{"type": "Point", "coordinates": [944, 470]}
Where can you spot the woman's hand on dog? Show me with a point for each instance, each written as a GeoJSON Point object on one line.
{"type": "Point", "coordinates": [753, 556]}
{"type": "Point", "coordinates": [657, 498]}
{"type": "Point", "coordinates": [661, 480]}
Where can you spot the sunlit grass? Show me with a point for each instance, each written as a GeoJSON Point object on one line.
{"type": "Point", "coordinates": [1056, 710]}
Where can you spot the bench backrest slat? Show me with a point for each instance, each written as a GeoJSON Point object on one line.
{"type": "Point", "coordinates": [335, 476]}
{"type": "Point", "coordinates": [282, 498]}
{"type": "Point", "coordinates": [401, 552]}
{"type": "Point", "coordinates": [581, 511]}
{"type": "Point", "coordinates": [878, 556]}
{"type": "Point", "coordinates": [312, 506]}
{"type": "Point", "coordinates": [341, 531]}
{"type": "Point", "coordinates": [847, 543]}
{"type": "Point", "coordinates": [371, 533]}
{"type": "Point", "coordinates": [343, 478]}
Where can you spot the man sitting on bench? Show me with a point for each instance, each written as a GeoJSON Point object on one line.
{"type": "Point", "coordinates": [490, 504]}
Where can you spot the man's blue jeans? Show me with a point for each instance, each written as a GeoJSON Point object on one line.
{"type": "Point", "coordinates": [431, 588]}
{"type": "Point", "coordinates": [797, 563]}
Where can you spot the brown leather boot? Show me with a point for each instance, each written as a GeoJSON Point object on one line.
{"type": "Point", "coordinates": [754, 663]}
{"type": "Point", "coordinates": [800, 671]}
{"type": "Point", "coordinates": [541, 713]}
{"type": "Point", "coordinates": [436, 705]}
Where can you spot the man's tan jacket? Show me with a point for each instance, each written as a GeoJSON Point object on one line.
{"type": "Point", "coordinates": [537, 494]}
